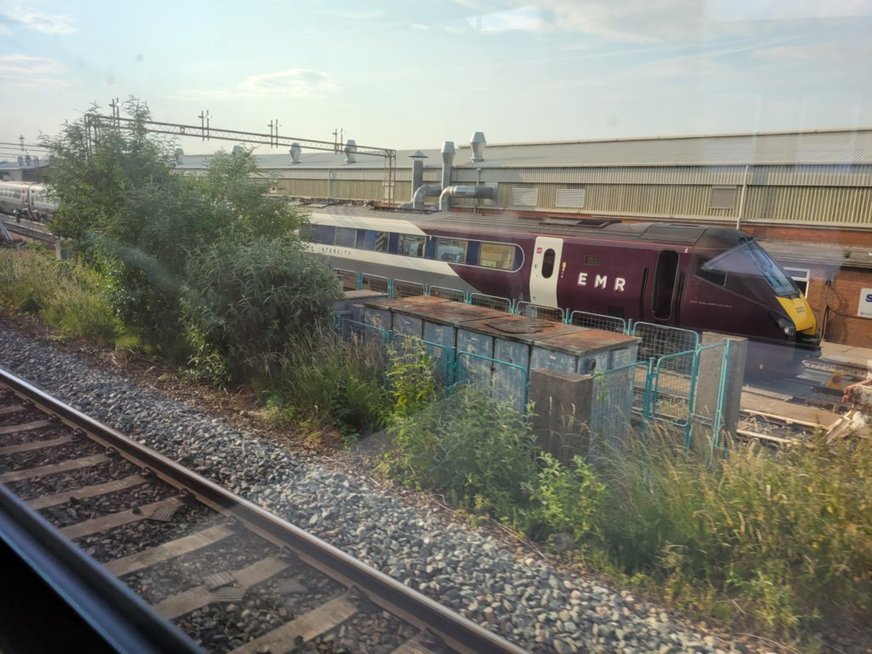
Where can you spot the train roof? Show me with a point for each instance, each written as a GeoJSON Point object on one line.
{"type": "Point", "coordinates": [568, 226]}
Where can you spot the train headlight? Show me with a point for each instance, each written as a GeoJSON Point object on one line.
{"type": "Point", "coordinates": [785, 325]}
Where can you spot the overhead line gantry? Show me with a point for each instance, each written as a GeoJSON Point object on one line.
{"type": "Point", "coordinates": [95, 122]}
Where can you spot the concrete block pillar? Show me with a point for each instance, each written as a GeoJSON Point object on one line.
{"type": "Point", "coordinates": [562, 410]}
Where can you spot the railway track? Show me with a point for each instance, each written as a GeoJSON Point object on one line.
{"type": "Point", "coordinates": [232, 576]}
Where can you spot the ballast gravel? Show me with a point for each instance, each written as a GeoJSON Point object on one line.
{"type": "Point", "coordinates": [526, 601]}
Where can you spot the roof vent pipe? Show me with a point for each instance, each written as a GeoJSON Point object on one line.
{"type": "Point", "coordinates": [295, 152]}
{"type": "Point", "coordinates": [447, 162]}
{"type": "Point", "coordinates": [417, 171]}
{"type": "Point", "coordinates": [350, 149]}
{"type": "Point", "coordinates": [486, 192]}
{"type": "Point", "coordinates": [477, 142]}
{"type": "Point", "coordinates": [422, 192]}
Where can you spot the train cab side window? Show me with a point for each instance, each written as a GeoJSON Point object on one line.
{"type": "Point", "coordinates": [548, 263]}
{"type": "Point", "coordinates": [345, 236]}
{"type": "Point", "coordinates": [718, 277]}
{"type": "Point", "coordinates": [452, 250]}
{"type": "Point", "coordinates": [411, 245]}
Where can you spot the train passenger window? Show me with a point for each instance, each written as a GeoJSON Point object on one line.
{"type": "Point", "coordinates": [321, 234]}
{"type": "Point", "coordinates": [497, 255]}
{"type": "Point", "coordinates": [345, 236]}
{"type": "Point", "coordinates": [451, 249]}
{"type": "Point", "coordinates": [411, 245]}
{"type": "Point", "coordinates": [370, 239]}
{"type": "Point", "coordinates": [548, 263]}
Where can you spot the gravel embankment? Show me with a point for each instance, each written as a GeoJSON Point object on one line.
{"type": "Point", "coordinates": [525, 600]}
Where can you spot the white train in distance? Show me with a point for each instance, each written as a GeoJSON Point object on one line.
{"type": "Point", "coordinates": [27, 200]}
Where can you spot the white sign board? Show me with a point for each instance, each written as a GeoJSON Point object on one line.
{"type": "Point", "coordinates": [865, 309]}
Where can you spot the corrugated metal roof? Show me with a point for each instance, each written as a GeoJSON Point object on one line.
{"type": "Point", "coordinates": [840, 147]}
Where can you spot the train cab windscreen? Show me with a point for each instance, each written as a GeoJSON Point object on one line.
{"type": "Point", "coordinates": [748, 258]}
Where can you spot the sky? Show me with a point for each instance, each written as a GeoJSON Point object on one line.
{"type": "Point", "coordinates": [412, 74]}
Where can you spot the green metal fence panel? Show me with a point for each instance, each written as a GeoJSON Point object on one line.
{"type": "Point", "coordinates": [614, 401]}
{"type": "Point", "coordinates": [673, 387]}
{"type": "Point", "coordinates": [402, 288]}
{"type": "Point", "coordinates": [349, 279]}
{"type": "Point", "coordinates": [491, 302]}
{"type": "Point", "coordinates": [598, 321]}
{"type": "Point", "coordinates": [377, 283]}
{"type": "Point", "coordinates": [453, 294]}
{"type": "Point", "coordinates": [506, 382]}
{"type": "Point", "coordinates": [349, 329]}
{"type": "Point", "coordinates": [541, 312]}
{"type": "Point", "coordinates": [441, 356]}
{"type": "Point", "coordinates": [661, 340]}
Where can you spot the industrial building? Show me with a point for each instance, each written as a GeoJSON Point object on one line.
{"type": "Point", "coordinates": [807, 196]}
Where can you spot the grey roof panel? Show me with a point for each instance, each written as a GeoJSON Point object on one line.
{"type": "Point", "coordinates": [818, 147]}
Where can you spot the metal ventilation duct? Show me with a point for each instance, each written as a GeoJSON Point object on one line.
{"type": "Point", "coordinates": [295, 152]}
{"type": "Point", "coordinates": [350, 149]}
{"type": "Point", "coordinates": [417, 170]}
{"type": "Point", "coordinates": [447, 162]}
{"type": "Point", "coordinates": [477, 142]}
{"type": "Point", "coordinates": [180, 155]}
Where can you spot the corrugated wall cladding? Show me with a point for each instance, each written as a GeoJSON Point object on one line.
{"type": "Point", "coordinates": [809, 205]}
{"type": "Point", "coordinates": [857, 175]}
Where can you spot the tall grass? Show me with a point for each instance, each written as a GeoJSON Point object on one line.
{"type": "Point", "coordinates": [783, 537]}
{"type": "Point", "coordinates": [328, 382]}
{"type": "Point", "coordinates": [67, 296]}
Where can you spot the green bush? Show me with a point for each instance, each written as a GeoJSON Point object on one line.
{"type": "Point", "coordinates": [249, 302]}
{"type": "Point", "coordinates": [564, 499]}
{"type": "Point", "coordinates": [477, 451]}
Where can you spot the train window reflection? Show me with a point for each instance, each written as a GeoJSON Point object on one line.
{"type": "Point", "coordinates": [751, 259]}
{"type": "Point", "coordinates": [370, 239]}
{"type": "Point", "coordinates": [411, 245]}
{"type": "Point", "coordinates": [451, 249]}
{"type": "Point", "coordinates": [345, 236]}
{"type": "Point", "coordinates": [497, 255]}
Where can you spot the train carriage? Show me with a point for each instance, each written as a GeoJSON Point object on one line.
{"type": "Point", "coordinates": [692, 276]}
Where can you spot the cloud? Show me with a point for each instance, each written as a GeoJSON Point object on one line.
{"type": "Point", "coordinates": [23, 71]}
{"type": "Point", "coordinates": [294, 83]}
{"type": "Point", "coordinates": [659, 21]}
{"type": "Point", "coordinates": [18, 15]}
{"type": "Point", "coordinates": [24, 65]}
{"type": "Point", "coordinates": [521, 18]}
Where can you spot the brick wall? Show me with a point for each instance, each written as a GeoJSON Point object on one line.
{"type": "Point", "coordinates": [836, 307]}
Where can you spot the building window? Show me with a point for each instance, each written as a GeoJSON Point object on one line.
{"type": "Point", "coordinates": [525, 196]}
{"type": "Point", "coordinates": [800, 276]}
{"type": "Point", "coordinates": [723, 197]}
{"type": "Point", "coordinates": [570, 198]}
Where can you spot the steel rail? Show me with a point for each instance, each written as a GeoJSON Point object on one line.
{"type": "Point", "coordinates": [116, 617]}
{"type": "Point", "coordinates": [456, 632]}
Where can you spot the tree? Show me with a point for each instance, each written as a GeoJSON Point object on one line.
{"type": "Point", "coordinates": [145, 227]}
